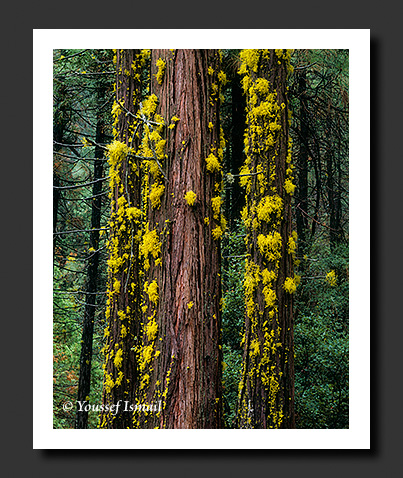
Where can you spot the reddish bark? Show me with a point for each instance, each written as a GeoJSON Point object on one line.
{"type": "Point", "coordinates": [186, 376]}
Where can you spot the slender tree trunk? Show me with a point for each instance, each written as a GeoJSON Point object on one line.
{"type": "Point", "coordinates": [237, 200]}
{"type": "Point", "coordinates": [124, 288]}
{"type": "Point", "coordinates": [316, 160]}
{"type": "Point", "coordinates": [333, 190]}
{"type": "Point", "coordinates": [266, 395]}
{"type": "Point", "coordinates": [56, 202]}
{"type": "Point", "coordinates": [335, 220]}
{"type": "Point", "coordinates": [338, 207]}
{"type": "Point", "coordinates": [331, 197]}
{"type": "Point", "coordinates": [181, 358]}
{"type": "Point", "coordinates": [60, 121]}
{"type": "Point", "coordinates": [84, 383]}
{"type": "Point", "coordinates": [302, 210]}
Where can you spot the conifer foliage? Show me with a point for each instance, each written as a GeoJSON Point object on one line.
{"type": "Point", "coordinates": [201, 238]}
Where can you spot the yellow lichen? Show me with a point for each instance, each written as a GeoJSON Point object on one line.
{"type": "Point", "coordinates": [133, 213]}
{"type": "Point", "coordinates": [156, 192]}
{"type": "Point", "coordinates": [161, 64]}
{"type": "Point", "coordinates": [254, 348]}
{"type": "Point", "coordinates": [270, 245]}
{"type": "Point", "coordinates": [152, 329]}
{"type": "Point", "coordinates": [174, 120]}
{"type": "Point", "coordinates": [268, 276]}
{"type": "Point", "coordinates": [269, 296]}
{"type": "Point", "coordinates": [152, 291]}
{"type": "Point", "coordinates": [217, 232]}
{"type": "Point", "coordinates": [290, 285]}
{"type": "Point", "coordinates": [222, 78]}
{"type": "Point", "coordinates": [289, 187]}
{"type": "Point", "coordinates": [108, 383]}
{"type": "Point", "coordinates": [149, 105]}
{"type": "Point", "coordinates": [116, 286]}
{"type": "Point", "coordinates": [292, 244]}
{"type": "Point", "coordinates": [249, 59]}
{"type": "Point", "coordinates": [150, 245]}
{"type": "Point", "coordinates": [270, 207]}
{"type": "Point", "coordinates": [118, 358]}
{"type": "Point", "coordinates": [116, 154]}
{"type": "Point", "coordinates": [119, 378]}
{"type": "Point", "coordinates": [331, 278]}
{"type": "Point", "coordinates": [190, 198]}
{"type": "Point", "coordinates": [212, 163]}
{"type": "Point", "coordinates": [216, 204]}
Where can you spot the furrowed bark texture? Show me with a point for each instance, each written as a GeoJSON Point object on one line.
{"type": "Point", "coordinates": [266, 398]}
{"type": "Point", "coordinates": [124, 294]}
{"type": "Point", "coordinates": [183, 376]}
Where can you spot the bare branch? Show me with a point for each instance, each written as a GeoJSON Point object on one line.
{"type": "Point", "coordinates": [76, 186]}
{"type": "Point", "coordinates": [79, 230]}
{"type": "Point", "coordinates": [71, 56]}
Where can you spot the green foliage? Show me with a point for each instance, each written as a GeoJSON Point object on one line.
{"type": "Point", "coordinates": [321, 342]}
{"type": "Point", "coordinates": [233, 293]}
{"type": "Point", "coordinates": [79, 76]}
{"type": "Point", "coordinates": [321, 309]}
{"type": "Point", "coordinates": [319, 91]}
{"type": "Point", "coordinates": [67, 330]}
{"type": "Point", "coordinates": [233, 317]}
{"type": "Point", "coordinates": [321, 334]}
{"type": "Point", "coordinates": [96, 377]}
{"type": "Point", "coordinates": [232, 365]}
{"type": "Point", "coordinates": [66, 339]}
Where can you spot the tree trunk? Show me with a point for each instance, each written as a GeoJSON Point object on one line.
{"type": "Point", "coordinates": [60, 122]}
{"type": "Point", "coordinates": [84, 383]}
{"type": "Point", "coordinates": [181, 358]}
{"type": "Point", "coordinates": [333, 183]}
{"type": "Point", "coordinates": [237, 199]}
{"type": "Point", "coordinates": [124, 288]}
{"type": "Point", "coordinates": [317, 189]}
{"type": "Point", "coordinates": [338, 207]}
{"type": "Point", "coordinates": [302, 209]}
{"type": "Point", "coordinates": [266, 395]}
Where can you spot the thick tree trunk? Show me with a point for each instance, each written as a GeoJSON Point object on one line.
{"type": "Point", "coordinates": [266, 396]}
{"type": "Point", "coordinates": [181, 359]}
{"type": "Point", "coordinates": [123, 303]}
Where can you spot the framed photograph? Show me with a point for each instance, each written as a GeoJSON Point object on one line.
{"type": "Point", "coordinates": [201, 268]}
